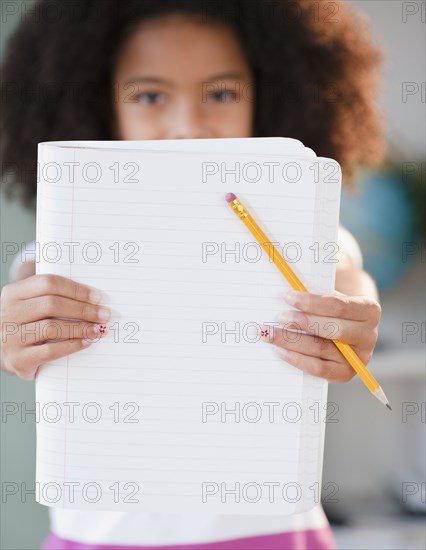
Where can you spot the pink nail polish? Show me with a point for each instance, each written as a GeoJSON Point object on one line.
{"type": "Point", "coordinates": [266, 333]}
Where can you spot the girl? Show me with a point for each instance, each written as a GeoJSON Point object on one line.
{"type": "Point", "coordinates": [170, 69]}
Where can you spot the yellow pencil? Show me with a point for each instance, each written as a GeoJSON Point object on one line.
{"type": "Point", "coordinates": [345, 349]}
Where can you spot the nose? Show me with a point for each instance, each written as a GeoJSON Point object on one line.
{"type": "Point", "coordinates": [187, 121]}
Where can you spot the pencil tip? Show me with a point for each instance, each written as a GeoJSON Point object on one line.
{"type": "Point", "coordinates": [229, 197]}
{"type": "Point", "coordinates": [380, 394]}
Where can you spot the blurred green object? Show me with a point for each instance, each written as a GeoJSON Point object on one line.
{"type": "Point", "coordinates": [384, 216]}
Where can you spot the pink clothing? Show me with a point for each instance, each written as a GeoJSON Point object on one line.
{"type": "Point", "coordinates": [315, 539]}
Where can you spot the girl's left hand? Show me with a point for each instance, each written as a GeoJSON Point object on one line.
{"type": "Point", "coordinates": [350, 319]}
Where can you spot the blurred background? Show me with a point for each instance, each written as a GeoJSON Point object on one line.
{"type": "Point", "coordinates": [381, 503]}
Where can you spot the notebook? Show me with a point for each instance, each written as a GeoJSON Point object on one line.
{"type": "Point", "coordinates": [181, 405]}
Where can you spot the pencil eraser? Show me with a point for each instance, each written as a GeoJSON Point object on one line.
{"type": "Point", "coordinates": [230, 197]}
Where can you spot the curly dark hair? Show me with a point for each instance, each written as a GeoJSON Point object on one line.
{"type": "Point", "coordinates": [315, 71]}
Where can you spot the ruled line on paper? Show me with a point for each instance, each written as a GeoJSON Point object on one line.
{"type": "Point", "coordinates": [126, 371]}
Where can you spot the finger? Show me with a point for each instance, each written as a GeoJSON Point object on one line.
{"type": "Point", "coordinates": [38, 355]}
{"type": "Point", "coordinates": [302, 343]}
{"type": "Point", "coordinates": [350, 332]}
{"type": "Point", "coordinates": [309, 345]}
{"type": "Point", "coordinates": [329, 370]}
{"type": "Point", "coordinates": [41, 307]}
{"type": "Point", "coordinates": [356, 308]}
{"type": "Point", "coordinates": [42, 285]}
{"type": "Point", "coordinates": [57, 329]}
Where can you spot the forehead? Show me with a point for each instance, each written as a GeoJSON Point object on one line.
{"type": "Point", "coordinates": [182, 45]}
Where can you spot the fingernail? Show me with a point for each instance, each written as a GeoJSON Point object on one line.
{"type": "Point", "coordinates": [285, 317]}
{"type": "Point", "coordinates": [96, 331]}
{"type": "Point", "coordinates": [86, 342]}
{"type": "Point", "coordinates": [282, 352]}
{"type": "Point", "coordinates": [104, 314]}
{"type": "Point", "coordinates": [102, 329]}
{"type": "Point", "coordinates": [290, 296]}
{"type": "Point", "coordinates": [95, 296]}
{"type": "Point", "coordinates": [266, 333]}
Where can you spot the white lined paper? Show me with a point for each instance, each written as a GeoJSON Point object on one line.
{"type": "Point", "coordinates": [170, 371]}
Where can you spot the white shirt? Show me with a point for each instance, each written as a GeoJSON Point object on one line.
{"type": "Point", "coordinates": [136, 528]}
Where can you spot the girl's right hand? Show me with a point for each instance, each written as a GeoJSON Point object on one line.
{"type": "Point", "coordinates": [28, 311]}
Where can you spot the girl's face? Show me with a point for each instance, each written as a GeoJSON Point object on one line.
{"type": "Point", "coordinates": [177, 78]}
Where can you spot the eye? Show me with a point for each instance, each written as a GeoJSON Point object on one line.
{"type": "Point", "coordinates": [225, 96]}
{"type": "Point", "coordinates": [150, 98]}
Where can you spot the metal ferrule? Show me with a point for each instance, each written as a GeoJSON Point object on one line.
{"type": "Point", "coordinates": [239, 209]}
